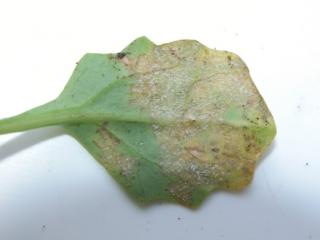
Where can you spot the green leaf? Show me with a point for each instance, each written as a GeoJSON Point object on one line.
{"type": "Point", "coordinates": [169, 122]}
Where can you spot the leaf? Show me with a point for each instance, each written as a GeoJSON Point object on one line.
{"type": "Point", "coordinates": [170, 122]}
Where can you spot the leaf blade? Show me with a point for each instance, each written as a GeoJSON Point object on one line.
{"type": "Point", "coordinates": [170, 122]}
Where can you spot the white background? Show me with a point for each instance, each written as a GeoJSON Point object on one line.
{"type": "Point", "coordinates": [51, 188]}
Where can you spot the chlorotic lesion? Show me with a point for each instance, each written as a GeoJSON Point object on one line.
{"type": "Point", "coordinates": [203, 103]}
{"type": "Point", "coordinates": [111, 158]}
{"type": "Point", "coordinates": [217, 157]}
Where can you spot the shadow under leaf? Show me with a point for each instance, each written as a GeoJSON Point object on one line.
{"type": "Point", "coordinates": [28, 139]}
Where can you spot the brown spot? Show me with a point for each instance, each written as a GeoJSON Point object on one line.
{"type": "Point", "coordinates": [102, 128]}
{"type": "Point", "coordinates": [248, 147]}
{"type": "Point", "coordinates": [216, 150]}
{"type": "Point", "coordinates": [121, 55]}
{"type": "Point", "coordinates": [229, 61]}
{"type": "Point", "coordinates": [248, 169]}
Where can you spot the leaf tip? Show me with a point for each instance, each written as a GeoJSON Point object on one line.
{"type": "Point", "coordinates": [139, 46]}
